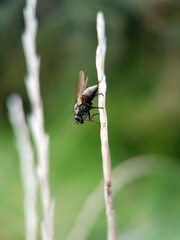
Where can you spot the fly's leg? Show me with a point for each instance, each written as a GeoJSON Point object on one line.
{"type": "Point", "coordinates": [99, 94]}
{"type": "Point", "coordinates": [97, 107]}
{"type": "Point", "coordinates": [91, 118]}
{"type": "Point", "coordinates": [87, 104]}
{"type": "Point", "coordinates": [87, 114]}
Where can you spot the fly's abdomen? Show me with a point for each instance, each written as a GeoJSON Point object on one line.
{"type": "Point", "coordinates": [90, 92]}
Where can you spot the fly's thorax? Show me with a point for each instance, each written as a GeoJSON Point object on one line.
{"type": "Point", "coordinates": [75, 108]}
{"type": "Point", "coordinates": [80, 110]}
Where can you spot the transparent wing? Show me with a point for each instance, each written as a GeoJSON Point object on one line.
{"type": "Point", "coordinates": [85, 84]}
{"type": "Point", "coordinates": [79, 87]}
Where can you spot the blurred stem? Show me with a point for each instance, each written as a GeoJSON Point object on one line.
{"type": "Point", "coordinates": [26, 156]}
{"type": "Point", "coordinates": [36, 119]}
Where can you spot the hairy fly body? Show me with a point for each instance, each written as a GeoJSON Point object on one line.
{"type": "Point", "coordinates": [84, 97]}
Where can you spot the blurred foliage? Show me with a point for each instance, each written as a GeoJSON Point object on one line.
{"type": "Point", "coordinates": [143, 104]}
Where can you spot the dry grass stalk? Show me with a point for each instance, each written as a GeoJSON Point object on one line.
{"type": "Point", "coordinates": [41, 139]}
{"type": "Point", "coordinates": [26, 155]}
{"type": "Point", "coordinates": [100, 59]}
{"type": "Point", "coordinates": [36, 119]}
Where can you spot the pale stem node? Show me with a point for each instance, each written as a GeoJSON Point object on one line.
{"type": "Point", "coordinates": [106, 158]}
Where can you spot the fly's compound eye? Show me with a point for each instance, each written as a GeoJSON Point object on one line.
{"type": "Point", "coordinates": [79, 119]}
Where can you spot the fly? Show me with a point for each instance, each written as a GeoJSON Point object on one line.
{"type": "Point", "coordinates": [84, 97]}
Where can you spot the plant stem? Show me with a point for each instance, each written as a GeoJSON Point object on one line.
{"type": "Point", "coordinates": [26, 156]}
{"type": "Point", "coordinates": [36, 119]}
{"type": "Point", "coordinates": [106, 158]}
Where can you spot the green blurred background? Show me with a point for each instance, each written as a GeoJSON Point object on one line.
{"type": "Point", "coordinates": [143, 106]}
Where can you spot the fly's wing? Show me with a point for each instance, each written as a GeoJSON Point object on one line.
{"type": "Point", "coordinates": [85, 84]}
{"type": "Point", "coordinates": [80, 87]}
